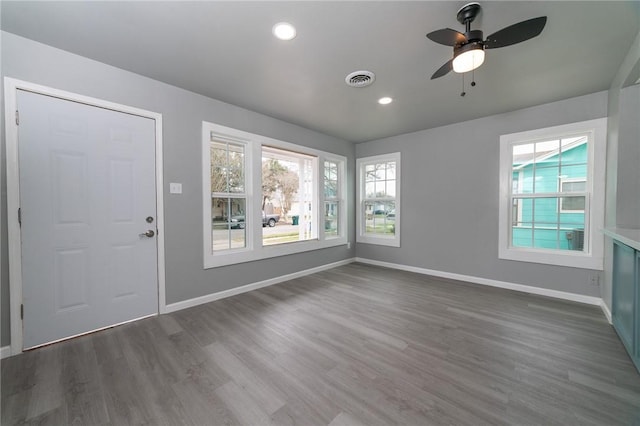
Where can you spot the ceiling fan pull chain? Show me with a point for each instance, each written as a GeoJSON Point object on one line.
{"type": "Point", "coordinates": [473, 77]}
{"type": "Point", "coordinates": [463, 92]}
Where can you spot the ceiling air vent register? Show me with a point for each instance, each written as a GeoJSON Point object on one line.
{"type": "Point", "coordinates": [360, 79]}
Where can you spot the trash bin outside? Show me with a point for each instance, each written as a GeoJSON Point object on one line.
{"type": "Point", "coordinates": [295, 219]}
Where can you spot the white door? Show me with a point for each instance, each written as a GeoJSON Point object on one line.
{"type": "Point", "coordinates": [87, 196]}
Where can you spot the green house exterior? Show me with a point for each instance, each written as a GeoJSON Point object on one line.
{"type": "Point", "coordinates": [551, 222]}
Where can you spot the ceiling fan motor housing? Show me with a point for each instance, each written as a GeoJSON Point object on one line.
{"type": "Point", "coordinates": [473, 36]}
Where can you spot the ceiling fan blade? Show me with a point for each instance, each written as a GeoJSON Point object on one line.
{"type": "Point", "coordinates": [443, 70]}
{"type": "Point", "coordinates": [447, 36]}
{"type": "Point", "coordinates": [516, 33]}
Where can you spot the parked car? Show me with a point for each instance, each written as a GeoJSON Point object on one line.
{"type": "Point", "coordinates": [391, 214]}
{"type": "Point", "coordinates": [238, 221]}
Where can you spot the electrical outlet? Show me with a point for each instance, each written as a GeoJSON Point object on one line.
{"type": "Point", "coordinates": [349, 245]}
{"type": "Point", "coordinates": [594, 280]}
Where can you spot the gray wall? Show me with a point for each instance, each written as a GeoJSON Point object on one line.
{"type": "Point", "coordinates": [450, 197]}
{"type": "Point", "coordinates": [628, 189]}
{"type": "Point", "coordinates": [623, 146]}
{"type": "Point", "coordinates": [183, 113]}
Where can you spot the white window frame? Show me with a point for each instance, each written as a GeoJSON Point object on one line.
{"type": "Point", "coordinates": [361, 236]}
{"type": "Point", "coordinates": [254, 249]}
{"type": "Point", "coordinates": [593, 256]}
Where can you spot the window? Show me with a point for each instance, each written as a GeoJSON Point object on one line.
{"type": "Point", "coordinates": [379, 200]}
{"type": "Point", "coordinates": [552, 195]}
{"type": "Point", "coordinates": [287, 195]}
{"type": "Point", "coordinates": [228, 194]}
{"type": "Point", "coordinates": [332, 197]}
{"type": "Point", "coordinates": [264, 197]}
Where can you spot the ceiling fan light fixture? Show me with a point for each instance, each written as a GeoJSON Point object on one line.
{"type": "Point", "coordinates": [468, 57]}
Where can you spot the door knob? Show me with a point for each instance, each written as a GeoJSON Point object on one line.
{"type": "Point", "coordinates": [149, 234]}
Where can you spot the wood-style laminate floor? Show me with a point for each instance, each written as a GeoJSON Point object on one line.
{"type": "Point", "coordinates": [356, 345]}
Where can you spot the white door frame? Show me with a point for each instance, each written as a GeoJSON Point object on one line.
{"type": "Point", "coordinates": [11, 87]}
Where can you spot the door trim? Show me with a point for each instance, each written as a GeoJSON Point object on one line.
{"type": "Point", "coordinates": [11, 87]}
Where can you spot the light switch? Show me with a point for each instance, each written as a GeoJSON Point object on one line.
{"type": "Point", "coordinates": [175, 188]}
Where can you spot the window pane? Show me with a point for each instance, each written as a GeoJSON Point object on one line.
{"type": "Point", "coordinates": [522, 154]}
{"type": "Point", "coordinates": [227, 167]}
{"type": "Point", "coordinates": [521, 235]}
{"type": "Point", "coordinates": [574, 186]}
{"type": "Point", "coordinates": [574, 151]}
{"type": "Point", "coordinates": [537, 223]}
{"type": "Point", "coordinates": [370, 189]}
{"type": "Point", "coordinates": [370, 172]}
{"type": "Point", "coordinates": [218, 180]}
{"type": "Point", "coordinates": [391, 188]}
{"type": "Point", "coordinates": [331, 211]}
{"type": "Point", "coordinates": [545, 178]}
{"type": "Point", "coordinates": [572, 204]}
{"type": "Point", "coordinates": [380, 217]}
{"type": "Point", "coordinates": [330, 189]}
{"type": "Point", "coordinates": [545, 211]}
{"type": "Point", "coordinates": [330, 179]}
{"type": "Point", "coordinates": [228, 223]}
{"type": "Point", "coordinates": [545, 236]}
{"type": "Point", "coordinates": [574, 171]}
{"type": "Point", "coordinates": [218, 153]}
{"type": "Point", "coordinates": [574, 238]}
{"type": "Point", "coordinates": [391, 171]}
{"type": "Point", "coordinates": [380, 180]}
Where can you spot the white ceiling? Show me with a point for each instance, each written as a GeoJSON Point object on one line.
{"type": "Point", "coordinates": [225, 50]}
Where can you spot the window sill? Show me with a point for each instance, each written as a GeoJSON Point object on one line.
{"type": "Point", "coordinates": [268, 252]}
{"type": "Point", "coordinates": [573, 259]}
{"type": "Point", "coordinates": [381, 241]}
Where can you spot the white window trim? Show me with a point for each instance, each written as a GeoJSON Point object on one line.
{"type": "Point", "coordinates": [254, 249]}
{"type": "Point", "coordinates": [593, 257]}
{"type": "Point", "coordinates": [361, 237]}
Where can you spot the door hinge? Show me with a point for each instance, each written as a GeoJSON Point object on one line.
{"type": "Point", "coordinates": [21, 311]}
{"type": "Point", "coordinates": [17, 118]}
{"type": "Point", "coordinates": [20, 216]}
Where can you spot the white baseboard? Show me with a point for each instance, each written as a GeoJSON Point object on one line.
{"type": "Point", "coordinates": [5, 352]}
{"type": "Point", "coordinates": [590, 300]}
{"type": "Point", "coordinates": [253, 286]}
{"type": "Point", "coordinates": [607, 312]}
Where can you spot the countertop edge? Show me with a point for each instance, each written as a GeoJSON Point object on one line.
{"type": "Point", "coordinates": [630, 237]}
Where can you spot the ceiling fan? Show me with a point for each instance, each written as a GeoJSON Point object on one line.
{"type": "Point", "coordinates": [469, 47]}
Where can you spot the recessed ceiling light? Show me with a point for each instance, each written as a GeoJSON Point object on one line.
{"type": "Point", "coordinates": [284, 31]}
{"type": "Point", "coordinates": [385, 101]}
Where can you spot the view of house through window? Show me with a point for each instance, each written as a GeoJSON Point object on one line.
{"type": "Point", "coordinates": [549, 193]}
{"type": "Point", "coordinates": [287, 196]}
